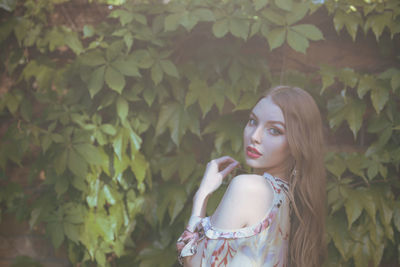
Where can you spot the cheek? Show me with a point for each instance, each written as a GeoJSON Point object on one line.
{"type": "Point", "coordinates": [279, 146]}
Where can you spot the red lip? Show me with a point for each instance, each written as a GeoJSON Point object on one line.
{"type": "Point", "coordinates": [253, 152]}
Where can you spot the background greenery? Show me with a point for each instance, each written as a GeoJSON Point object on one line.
{"type": "Point", "coordinates": [115, 120]}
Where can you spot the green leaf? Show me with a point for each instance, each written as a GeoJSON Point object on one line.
{"type": "Point", "coordinates": [351, 21]}
{"type": "Point", "coordinates": [284, 4]}
{"type": "Point", "coordinates": [6, 28]}
{"type": "Point", "coordinates": [76, 163]}
{"type": "Point", "coordinates": [203, 14]}
{"type": "Point", "coordinates": [124, 16]}
{"type": "Point", "coordinates": [276, 37]}
{"type": "Point", "coordinates": [309, 31]}
{"type": "Point", "coordinates": [110, 195]}
{"type": "Point", "coordinates": [362, 251]}
{"type": "Point", "coordinates": [96, 81]}
{"type": "Point", "coordinates": [227, 129]}
{"type": "Point", "coordinates": [172, 198]}
{"type": "Point", "coordinates": [379, 97]}
{"type": "Point", "coordinates": [366, 83]}
{"type": "Point", "coordinates": [127, 67]}
{"type": "Point", "coordinates": [372, 170]}
{"type": "Point", "coordinates": [118, 144]}
{"type": "Point", "coordinates": [328, 74]}
{"type": "Point", "coordinates": [114, 50]}
{"type": "Point", "coordinates": [356, 164]}
{"type": "Point", "coordinates": [90, 153]}
{"type": "Point", "coordinates": [247, 101]}
{"type": "Point", "coordinates": [337, 229]}
{"type": "Point", "coordinates": [128, 39]}
{"type": "Point", "coordinates": [71, 231]}
{"type": "Point", "coordinates": [60, 162]}
{"type": "Point", "coordinates": [12, 102]}
{"type": "Point", "coordinates": [88, 31]}
{"type": "Point", "coordinates": [348, 77]}
{"type": "Point", "coordinates": [377, 22]}
{"type": "Point", "coordinates": [169, 68]}
{"type": "Point", "coordinates": [156, 73]}
{"type": "Point", "coordinates": [174, 116]}
{"type": "Point", "coordinates": [298, 12]}
{"type": "Point", "coordinates": [220, 28]}
{"type": "Point", "coordinates": [378, 124]}
{"type": "Point", "coordinates": [108, 129]}
{"type": "Point", "coordinates": [239, 27]}
{"type": "Point", "coordinates": [336, 166]}
{"type": "Point", "coordinates": [61, 185]}
{"type": "Point", "coordinates": [395, 82]}
{"type": "Point", "coordinates": [255, 28]}
{"type": "Point", "coordinates": [258, 4]}
{"type": "Point", "coordinates": [122, 109]}
{"type": "Point", "coordinates": [139, 167]}
{"type": "Point", "coordinates": [368, 203]}
{"type": "Point", "coordinates": [71, 39]}
{"type": "Point", "coordinates": [94, 58]}
{"type": "Point", "coordinates": [297, 41]}
{"type": "Point", "coordinates": [355, 114]}
{"type": "Point", "coordinates": [134, 139]}
{"type": "Point", "coordinates": [206, 96]}
{"type": "Point", "coordinates": [142, 58]}
{"type": "Point", "coordinates": [114, 79]}
{"type": "Point", "coordinates": [56, 234]}
{"type": "Point", "coordinates": [172, 21]}
{"type": "Point", "coordinates": [354, 206]}
{"type": "Point", "coordinates": [274, 17]}
{"type": "Point", "coordinates": [79, 183]}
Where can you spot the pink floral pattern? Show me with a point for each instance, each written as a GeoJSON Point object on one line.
{"type": "Point", "coordinates": [263, 244]}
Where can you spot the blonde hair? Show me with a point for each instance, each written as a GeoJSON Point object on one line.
{"type": "Point", "coordinates": [306, 173]}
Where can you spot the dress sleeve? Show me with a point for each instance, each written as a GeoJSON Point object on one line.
{"type": "Point", "coordinates": [188, 241]}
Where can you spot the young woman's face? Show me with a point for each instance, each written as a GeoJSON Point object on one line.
{"type": "Point", "coordinates": [264, 138]}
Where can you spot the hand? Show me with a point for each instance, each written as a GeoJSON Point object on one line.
{"type": "Point", "coordinates": [213, 178]}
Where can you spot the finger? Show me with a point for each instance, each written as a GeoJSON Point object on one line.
{"type": "Point", "coordinates": [229, 168]}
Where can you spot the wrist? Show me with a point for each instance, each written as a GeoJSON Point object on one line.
{"type": "Point", "coordinates": [200, 195]}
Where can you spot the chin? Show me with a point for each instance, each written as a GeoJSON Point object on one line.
{"type": "Point", "coordinates": [252, 163]}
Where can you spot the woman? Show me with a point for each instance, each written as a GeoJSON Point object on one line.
{"type": "Point", "coordinates": [274, 217]}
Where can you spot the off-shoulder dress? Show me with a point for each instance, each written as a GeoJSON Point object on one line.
{"type": "Point", "coordinates": [262, 244]}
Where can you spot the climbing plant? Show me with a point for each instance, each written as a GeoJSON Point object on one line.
{"type": "Point", "coordinates": [114, 120]}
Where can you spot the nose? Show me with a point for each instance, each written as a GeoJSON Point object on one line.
{"type": "Point", "coordinates": [256, 135]}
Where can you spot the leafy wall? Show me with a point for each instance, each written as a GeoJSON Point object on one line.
{"type": "Point", "coordinates": [113, 111]}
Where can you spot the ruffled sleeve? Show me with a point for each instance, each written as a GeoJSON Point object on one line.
{"type": "Point", "coordinates": [192, 235]}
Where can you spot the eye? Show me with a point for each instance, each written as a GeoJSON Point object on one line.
{"type": "Point", "coordinates": [274, 131]}
{"type": "Point", "coordinates": [252, 121]}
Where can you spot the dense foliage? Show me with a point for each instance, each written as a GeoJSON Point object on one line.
{"type": "Point", "coordinates": [114, 121]}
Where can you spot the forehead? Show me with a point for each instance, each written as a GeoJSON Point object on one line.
{"type": "Point", "coordinates": [267, 110]}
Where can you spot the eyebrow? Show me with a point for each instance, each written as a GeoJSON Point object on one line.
{"type": "Point", "coordinates": [272, 122]}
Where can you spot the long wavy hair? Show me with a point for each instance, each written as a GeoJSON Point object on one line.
{"type": "Point", "coordinates": [306, 173]}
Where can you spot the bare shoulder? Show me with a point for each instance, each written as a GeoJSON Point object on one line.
{"type": "Point", "coordinates": [252, 187]}
{"type": "Point", "coordinates": [251, 183]}
{"type": "Point", "coordinates": [249, 196]}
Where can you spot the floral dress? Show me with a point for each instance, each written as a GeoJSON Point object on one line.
{"type": "Point", "coordinates": [262, 244]}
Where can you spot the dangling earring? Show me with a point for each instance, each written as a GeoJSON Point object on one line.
{"type": "Point", "coordinates": [293, 174]}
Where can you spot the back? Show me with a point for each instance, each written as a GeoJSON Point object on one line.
{"type": "Point", "coordinates": [262, 244]}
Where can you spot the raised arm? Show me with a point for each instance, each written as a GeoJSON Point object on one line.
{"type": "Point", "coordinates": [214, 174]}
{"type": "Point", "coordinates": [211, 181]}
